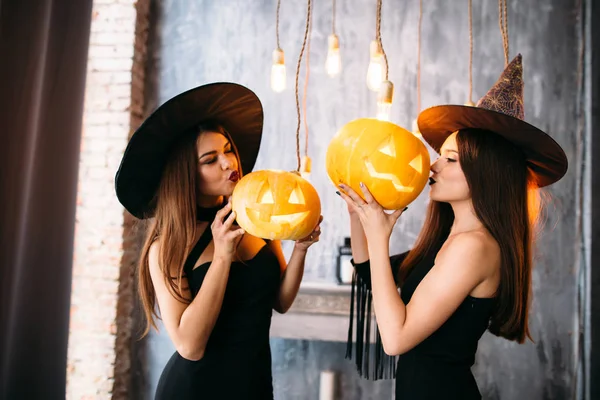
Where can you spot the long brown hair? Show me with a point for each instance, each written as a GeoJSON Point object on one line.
{"type": "Point", "coordinates": [505, 201]}
{"type": "Point", "coordinates": [174, 220]}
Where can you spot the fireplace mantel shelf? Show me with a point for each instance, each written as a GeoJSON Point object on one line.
{"type": "Point", "coordinates": [320, 312]}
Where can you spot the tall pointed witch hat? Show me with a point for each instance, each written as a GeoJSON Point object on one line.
{"type": "Point", "coordinates": [501, 111]}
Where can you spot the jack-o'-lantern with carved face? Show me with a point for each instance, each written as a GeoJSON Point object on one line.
{"type": "Point", "coordinates": [389, 160]}
{"type": "Point", "coordinates": [275, 204]}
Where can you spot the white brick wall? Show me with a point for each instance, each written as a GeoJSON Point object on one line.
{"type": "Point", "coordinates": [105, 249]}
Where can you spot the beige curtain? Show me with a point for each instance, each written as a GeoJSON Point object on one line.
{"type": "Point", "coordinates": [43, 56]}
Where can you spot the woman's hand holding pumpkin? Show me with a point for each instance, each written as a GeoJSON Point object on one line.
{"type": "Point", "coordinates": [376, 223]}
{"type": "Point", "coordinates": [304, 243]}
{"type": "Point", "coordinates": [226, 237]}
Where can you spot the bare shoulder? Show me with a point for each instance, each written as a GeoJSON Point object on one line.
{"type": "Point", "coordinates": [154, 261]}
{"type": "Point", "coordinates": [154, 257]}
{"type": "Point", "coordinates": [476, 250]}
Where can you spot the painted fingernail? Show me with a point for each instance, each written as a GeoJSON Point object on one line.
{"type": "Point", "coordinates": [405, 208]}
{"type": "Point", "coordinates": [338, 193]}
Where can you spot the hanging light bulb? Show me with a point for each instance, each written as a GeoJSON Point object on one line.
{"type": "Point", "coordinates": [333, 64]}
{"type": "Point", "coordinates": [306, 167]}
{"type": "Point", "coordinates": [376, 70]}
{"type": "Point", "coordinates": [278, 71]}
{"type": "Point", "coordinates": [415, 129]}
{"type": "Point", "coordinates": [384, 100]}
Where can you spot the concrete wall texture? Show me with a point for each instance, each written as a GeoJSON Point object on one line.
{"type": "Point", "coordinates": [195, 42]}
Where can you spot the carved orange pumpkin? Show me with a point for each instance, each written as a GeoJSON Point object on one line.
{"type": "Point", "coordinates": [391, 161]}
{"type": "Point", "coordinates": [276, 205]}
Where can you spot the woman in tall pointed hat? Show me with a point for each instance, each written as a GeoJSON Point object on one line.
{"type": "Point", "coordinates": [470, 268]}
{"type": "Point", "coordinates": [213, 285]}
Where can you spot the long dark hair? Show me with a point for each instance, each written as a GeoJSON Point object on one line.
{"type": "Point", "coordinates": [174, 219]}
{"type": "Point", "coordinates": [505, 200]}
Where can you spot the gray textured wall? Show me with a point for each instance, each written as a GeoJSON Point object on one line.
{"type": "Point", "coordinates": [197, 42]}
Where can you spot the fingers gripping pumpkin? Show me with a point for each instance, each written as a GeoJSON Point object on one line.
{"type": "Point", "coordinates": [391, 161]}
{"type": "Point", "coordinates": [276, 205]}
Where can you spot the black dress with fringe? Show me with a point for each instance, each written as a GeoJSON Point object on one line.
{"type": "Point", "coordinates": [237, 360]}
{"type": "Point", "coordinates": [437, 368]}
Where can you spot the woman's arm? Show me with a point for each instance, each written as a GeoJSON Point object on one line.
{"type": "Point", "coordinates": [457, 271]}
{"type": "Point", "coordinates": [360, 249]}
{"type": "Point", "coordinates": [189, 325]}
{"type": "Point", "coordinates": [358, 240]}
{"type": "Point", "coordinates": [363, 270]}
{"type": "Point", "coordinates": [291, 274]}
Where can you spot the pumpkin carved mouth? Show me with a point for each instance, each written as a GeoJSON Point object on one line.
{"type": "Point", "coordinates": [388, 176]}
{"type": "Point", "coordinates": [289, 219]}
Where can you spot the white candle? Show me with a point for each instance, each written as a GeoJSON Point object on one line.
{"type": "Point", "coordinates": [327, 385]}
{"type": "Point", "coordinates": [347, 269]}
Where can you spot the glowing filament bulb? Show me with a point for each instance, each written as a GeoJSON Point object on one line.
{"type": "Point", "coordinates": [415, 129]}
{"type": "Point", "coordinates": [306, 167]}
{"type": "Point", "coordinates": [384, 100]}
{"type": "Point", "coordinates": [376, 70]}
{"type": "Point", "coordinates": [333, 64]}
{"type": "Point", "coordinates": [278, 71]}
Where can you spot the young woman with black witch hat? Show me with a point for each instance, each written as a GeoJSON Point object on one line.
{"type": "Point", "coordinates": [213, 285]}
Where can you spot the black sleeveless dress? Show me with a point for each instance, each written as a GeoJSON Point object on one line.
{"type": "Point", "coordinates": [237, 359]}
{"type": "Point", "coordinates": [440, 366]}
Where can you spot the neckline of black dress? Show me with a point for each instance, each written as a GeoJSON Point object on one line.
{"type": "Point", "coordinates": [207, 214]}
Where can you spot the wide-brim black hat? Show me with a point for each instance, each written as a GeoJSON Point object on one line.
{"type": "Point", "coordinates": [500, 111]}
{"type": "Point", "coordinates": [233, 106]}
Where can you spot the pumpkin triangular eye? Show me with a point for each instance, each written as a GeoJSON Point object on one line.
{"type": "Point", "coordinates": [417, 163]}
{"type": "Point", "coordinates": [266, 195]}
{"type": "Point", "coordinates": [297, 197]}
{"type": "Point", "coordinates": [388, 147]}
